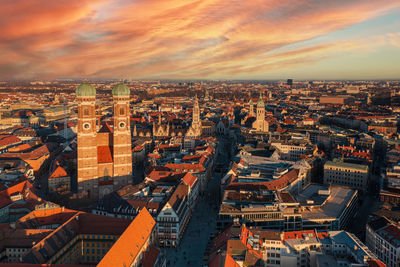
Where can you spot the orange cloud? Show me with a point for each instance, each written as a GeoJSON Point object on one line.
{"type": "Point", "coordinates": [169, 39]}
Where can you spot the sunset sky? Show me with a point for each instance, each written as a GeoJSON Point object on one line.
{"type": "Point", "coordinates": [205, 39]}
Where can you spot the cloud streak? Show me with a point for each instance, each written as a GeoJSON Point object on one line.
{"type": "Point", "coordinates": [174, 38]}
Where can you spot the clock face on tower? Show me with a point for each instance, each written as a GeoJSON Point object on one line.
{"type": "Point", "coordinates": [121, 125]}
{"type": "Point", "coordinates": [86, 126]}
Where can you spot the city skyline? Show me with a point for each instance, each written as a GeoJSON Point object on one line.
{"type": "Point", "coordinates": [264, 40]}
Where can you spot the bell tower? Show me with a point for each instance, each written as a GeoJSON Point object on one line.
{"type": "Point", "coordinates": [86, 137]}
{"type": "Point", "coordinates": [195, 129]}
{"type": "Point", "coordinates": [122, 153]}
{"type": "Point", "coordinates": [196, 123]}
{"type": "Point", "coordinates": [260, 109]}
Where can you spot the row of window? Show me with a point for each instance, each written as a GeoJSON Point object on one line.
{"type": "Point", "coordinates": [344, 182]}
{"type": "Point", "coordinates": [96, 251]}
{"type": "Point", "coordinates": [274, 255]}
{"type": "Point", "coordinates": [97, 244]}
{"type": "Point", "coordinates": [343, 170]}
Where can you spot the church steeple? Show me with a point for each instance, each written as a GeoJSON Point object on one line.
{"type": "Point", "coordinates": [195, 128]}
{"type": "Point", "coordinates": [87, 138]}
{"type": "Point", "coordinates": [260, 108]}
{"type": "Point", "coordinates": [260, 100]}
{"type": "Point", "coordinates": [196, 111]}
{"type": "Point", "coordinates": [122, 154]}
{"type": "Point", "coordinates": [261, 124]}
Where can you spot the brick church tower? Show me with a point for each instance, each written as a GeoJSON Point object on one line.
{"type": "Point", "coordinates": [122, 153]}
{"type": "Point", "coordinates": [86, 137]}
{"type": "Point", "coordinates": [104, 156]}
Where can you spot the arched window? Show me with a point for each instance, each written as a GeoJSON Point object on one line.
{"type": "Point", "coordinates": [122, 111]}
{"type": "Point", "coordinates": [86, 111]}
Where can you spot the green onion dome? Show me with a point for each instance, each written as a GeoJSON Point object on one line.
{"type": "Point", "coordinates": [121, 90]}
{"type": "Point", "coordinates": [85, 89]}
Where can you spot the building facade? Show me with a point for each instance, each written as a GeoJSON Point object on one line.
{"type": "Point", "coordinates": [383, 238]}
{"type": "Point", "coordinates": [346, 174]}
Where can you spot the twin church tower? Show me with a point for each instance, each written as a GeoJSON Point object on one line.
{"type": "Point", "coordinates": [104, 156]}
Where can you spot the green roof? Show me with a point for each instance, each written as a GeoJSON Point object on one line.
{"type": "Point", "coordinates": [85, 89]}
{"type": "Point", "coordinates": [260, 101]}
{"type": "Point", "coordinates": [121, 90]}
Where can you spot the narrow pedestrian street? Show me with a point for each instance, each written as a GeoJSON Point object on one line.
{"type": "Point", "coordinates": [202, 223]}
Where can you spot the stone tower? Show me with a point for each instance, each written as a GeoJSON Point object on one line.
{"type": "Point", "coordinates": [86, 136]}
{"type": "Point", "coordinates": [260, 123]}
{"type": "Point", "coordinates": [251, 108]}
{"type": "Point", "coordinates": [196, 127]}
{"type": "Point", "coordinates": [260, 109]}
{"type": "Point", "coordinates": [196, 123]}
{"type": "Point", "coordinates": [122, 154]}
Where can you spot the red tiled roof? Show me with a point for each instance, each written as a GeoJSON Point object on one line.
{"type": "Point", "coordinates": [18, 188]}
{"type": "Point", "coordinates": [230, 262]}
{"type": "Point", "coordinates": [219, 243]}
{"type": "Point", "coordinates": [156, 168]}
{"type": "Point", "coordinates": [79, 223]}
{"type": "Point", "coordinates": [298, 234]}
{"type": "Point", "coordinates": [179, 194]}
{"type": "Point", "coordinates": [138, 148]}
{"type": "Point", "coordinates": [130, 243]}
{"type": "Point", "coordinates": [46, 217]}
{"type": "Point", "coordinates": [276, 184]}
{"type": "Point", "coordinates": [99, 224]}
{"type": "Point", "coordinates": [190, 157]}
{"type": "Point", "coordinates": [19, 148]}
{"type": "Point", "coordinates": [104, 154]}
{"type": "Point", "coordinates": [184, 166]}
{"type": "Point", "coordinates": [58, 172]}
{"type": "Point", "coordinates": [154, 156]}
{"type": "Point", "coordinates": [150, 257]}
{"type": "Point", "coordinates": [360, 154]}
{"type": "Point", "coordinates": [189, 179]}
{"type": "Point", "coordinates": [156, 175]}
{"type": "Point", "coordinates": [9, 140]}
{"type": "Point", "coordinates": [375, 263]}
{"type": "Point", "coordinates": [37, 153]}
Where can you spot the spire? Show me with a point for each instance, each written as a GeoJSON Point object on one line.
{"type": "Point", "coordinates": [260, 100]}
{"type": "Point", "coordinates": [159, 115]}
